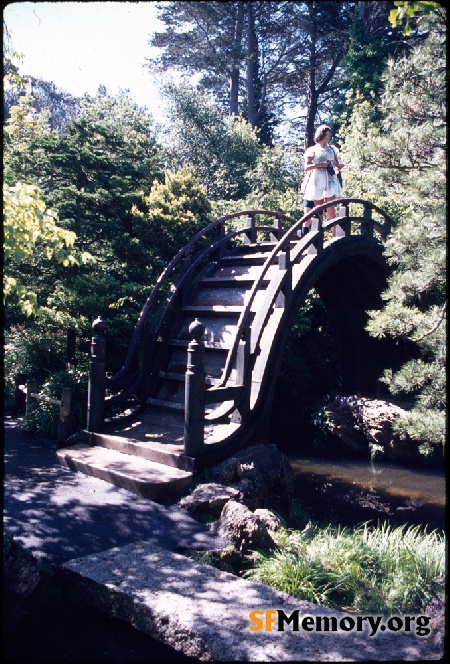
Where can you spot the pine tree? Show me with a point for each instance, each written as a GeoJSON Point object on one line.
{"type": "Point", "coordinates": [404, 161]}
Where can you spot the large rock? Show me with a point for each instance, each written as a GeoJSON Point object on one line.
{"type": "Point", "coordinates": [270, 519]}
{"type": "Point", "coordinates": [266, 472]}
{"type": "Point", "coordinates": [365, 426]}
{"type": "Point", "coordinates": [208, 499]}
{"type": "Point", "coordinates": [256, 477]}
{"type": "Point", "coordinates": [242, 529]}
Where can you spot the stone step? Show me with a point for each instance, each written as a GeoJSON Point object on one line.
{"type": "Point", "coordinates": [166, 453]}
{"type": "Point", "coordinates": [145, 478]}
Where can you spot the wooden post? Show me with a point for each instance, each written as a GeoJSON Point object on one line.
{"type": "Point", "coordinates": [284, 263]}
{"type": "Point", "coordinates": [31, 388]}
{"type": "Point", "coordinates": [250, 234]}
{"type": "Point", "coordinates": [277, 232]}
{"type": "Point", "coordinates": [317, 225]}
{"type": "Point", "coordinates": [220, 233]}
{"type": "Point", "coordinates": [97, 378]}
{"type": "Point", "coordinates": [65, 412]}
{"type": "Point", "coordinates": [367, 224]}
{"type": "Point", "coordinates": [194, 398]}
{"type": "Point", "coordinates": [346, 225]}
{"type": "Point", "coordinates": [242, 364]}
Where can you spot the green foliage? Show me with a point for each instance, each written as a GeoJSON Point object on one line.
{"type": "Point", "coordinates": [221, 150]}
{"type": "Point", "coordinates": [364, 569]}
{"type": "Point", "coordinates": [305, 376]}
{"type": "Point", "coordinates": [406, 10]}
{"type": "Point", "coordinates": [403, 158]}
{"type": "Point", "coordinates": [33, 351]}
{"type": "Point", "coordinates": [176, 211]}
{"type": "Point", "coordinates": [30, 228]}
{"type": "Point", "coordinates": [91, 174]}
{"type": "Point", "coordinates": [361, 81]}
{"type": "Point", "coordinates": [273, 183]}
{"type": "Point", "coordinates": [43, 417]}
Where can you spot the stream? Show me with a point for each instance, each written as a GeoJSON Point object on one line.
{"type": "Point", "coordinates": [353, 491]}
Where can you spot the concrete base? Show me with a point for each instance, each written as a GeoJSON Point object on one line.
{"type": "Point", "coordinates": [204, 612]}
{"type": "Point", "coordinates": [136, 474]}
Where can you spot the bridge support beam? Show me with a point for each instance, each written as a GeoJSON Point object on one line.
{"type": "Point", "coordinates": [194, 397]}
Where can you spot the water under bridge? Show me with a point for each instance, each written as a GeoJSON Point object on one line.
{"type": "Point", "coordinates": [198, 379]}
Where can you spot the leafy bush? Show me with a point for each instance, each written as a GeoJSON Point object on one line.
{"type": "Point", "coordinates": [34, 352]}
{"type": "Point", "coordinates": [43, 417]}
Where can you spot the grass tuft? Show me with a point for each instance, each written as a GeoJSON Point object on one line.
{"type": "Point", "coordinates": [379, 569]}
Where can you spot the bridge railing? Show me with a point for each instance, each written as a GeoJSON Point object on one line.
{"type": "Point", "coordinates": [285, 258]}
{"type": "Point", "coordinates": [176, 278]}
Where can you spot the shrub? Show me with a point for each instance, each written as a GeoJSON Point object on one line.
{"type": "Point", "coordinates": [43, 417]}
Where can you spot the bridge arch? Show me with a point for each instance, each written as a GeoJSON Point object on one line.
{"type": "Point", "coordinates": [349, 282]}
{"type": "Point", "coordinates": [246, 283]}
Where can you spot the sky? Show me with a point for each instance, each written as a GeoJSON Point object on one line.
{"type": "Point", "coordinates": [81, 45]}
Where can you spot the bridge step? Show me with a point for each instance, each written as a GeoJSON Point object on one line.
{"type": "Point", "coordinates": [216, 309]}
{"type": "Point", "coordinates": [211, 345]}
{"type": "Point", "coordinates": [245, 259]}
{"type": "Point", "coordinates": [136, 474]}
{"type": "Point", "coordinates": [241, 280]}
{"type": "Point", "coordinates": [166, 405]}
{"type": "Point", "coordinates": [180, 377]}
{"type": "Point", "coordinates": [242, 271]}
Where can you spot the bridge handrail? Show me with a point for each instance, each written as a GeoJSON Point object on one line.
{"type": "Point", "coordinates": [383, 229]}
{"type": "Point", "coordinates": [176, 260]}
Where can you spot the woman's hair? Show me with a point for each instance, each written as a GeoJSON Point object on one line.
{"type": "Point", "coordinates": [320, 132]}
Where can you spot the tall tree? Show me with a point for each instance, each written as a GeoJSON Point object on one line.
{"type": "Point", "coordinates": [91, 173]}
{"type": "Point", "coordinates": [263, 51]}
{"type": "Point", "coordinates": [404, 158]}
{"type": "Point", "coordinates": [362, 67]}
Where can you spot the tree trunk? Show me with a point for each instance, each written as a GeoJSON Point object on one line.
{"type": "Point", "coordinates": [237, 52]}
{"type": "Point", "coordinates": [311, 93]}
{"type": "Point", "coordinates": [251, 60]}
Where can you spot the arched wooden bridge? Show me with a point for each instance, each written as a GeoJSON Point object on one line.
{"type": "Point", "coordinates": [243, 278]}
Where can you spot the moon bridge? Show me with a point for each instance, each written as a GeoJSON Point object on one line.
{"type": "Point", "coordinates": [187, 401]}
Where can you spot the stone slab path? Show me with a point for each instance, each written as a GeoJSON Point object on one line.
{"type": "Point", "coordinates": [204, 613]}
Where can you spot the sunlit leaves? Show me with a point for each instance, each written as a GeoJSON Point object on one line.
{"type": "Point", "coordinates": [406, 10]}
{"type": "Point", "coordinates": [29, 228]}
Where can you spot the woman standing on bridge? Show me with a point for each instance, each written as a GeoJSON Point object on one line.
{"type": "Point", "coordinates": [322, 162]}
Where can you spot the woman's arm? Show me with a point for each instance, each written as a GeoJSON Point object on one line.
{"type": "Point", "coordinates": [310, 165]}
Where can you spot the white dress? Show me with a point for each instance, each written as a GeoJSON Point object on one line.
{"type": "Point", "coordinates": [319, 184]}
